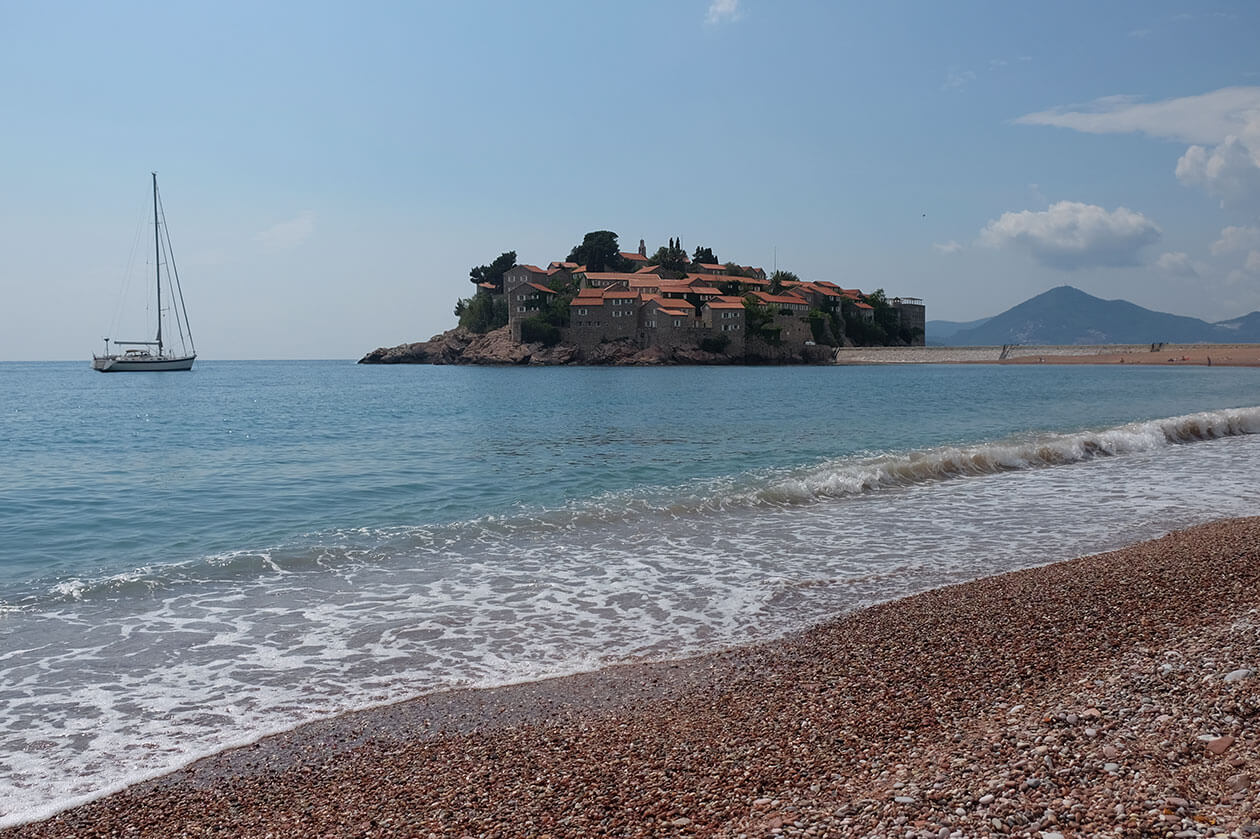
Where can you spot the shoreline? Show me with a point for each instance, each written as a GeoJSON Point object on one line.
{"type": "Point", "coordinates": [1067, 689]}
{"type": "Point", "coordinates": [1167, 355]}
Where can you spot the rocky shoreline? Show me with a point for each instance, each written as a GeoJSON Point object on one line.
{"type": "Point", "coordinates": [1113, 695]}
{"type": "Point", "coordinates": [460, 346]}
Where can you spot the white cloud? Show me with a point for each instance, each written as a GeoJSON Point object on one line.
{"type": "Point", "coordinates": [1223, 127]}
{"type": "Point", "coordinates": [1071, 235]}
{"type": "Point", "coordinates": [723, 11]}
{"type": "Point", "coordinates": [1229, 171]}
{"type": "Point", "coordinates": [958, 79]}
{"type": "Point", "coordinates": [288, 234]}
{"type": "Point", "coordinates": [1177, 264]}
{"type": "Point", "coordinates": [1207, 118]}
{"type": "Point", "coordinates": [949, 247]}
{"type": "Point", "coordinates": [1236, 239]}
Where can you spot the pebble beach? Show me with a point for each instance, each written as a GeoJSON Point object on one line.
{"type": "Point", "coordinates": [1206, 355]}
{"type": "Point", "coordinates": [1112, 695]}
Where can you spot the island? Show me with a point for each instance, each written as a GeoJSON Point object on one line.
{"type": "Point", "coordinates": [602, 305]}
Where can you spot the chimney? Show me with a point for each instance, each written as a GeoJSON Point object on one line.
{"type": "Point", "coordinates": [642, 248]}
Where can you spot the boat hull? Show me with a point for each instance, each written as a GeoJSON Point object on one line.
{"type": "Point", "coordinates": [153, 364]}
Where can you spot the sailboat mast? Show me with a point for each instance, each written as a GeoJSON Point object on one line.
{"type": "Point", "coordinates": [157, 263]}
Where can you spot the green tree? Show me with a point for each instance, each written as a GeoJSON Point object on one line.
{"type": "Point", "coordinates": [599, 251]}
{"type": "Point", "coordinates": [759, 321]}
{"type": "Point", "coordinates": [778, 278]}
{"type": "Point", "coordinates": [671, 257]}
{"type": "Point", "coordinates": [704, 256]}
{"type": "Point", "coordinates": [482, 312]}
{"type": "Point", "coordinates": [493, 273]}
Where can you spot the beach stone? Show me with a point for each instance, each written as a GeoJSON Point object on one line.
{"type": "Point", "coordinates": [1220, 744]}
{"type": "Point", "coordinates": [1239, 675]}
{"type": "Point", "coordinates": [905, 799]}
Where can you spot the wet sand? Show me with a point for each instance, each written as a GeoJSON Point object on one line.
{"type": "Point", "coordinates": [1113, 695]}
{"type": "Point", "coordinates": [1226, 355]}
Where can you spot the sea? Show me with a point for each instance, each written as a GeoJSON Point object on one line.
{"type": "Point", "coordinates": [190, 561]}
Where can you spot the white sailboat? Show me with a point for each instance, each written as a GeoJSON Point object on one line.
{"type": "Point", "coordinates": [160, 354]}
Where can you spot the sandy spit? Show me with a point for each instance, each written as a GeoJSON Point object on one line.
{"type": "Point", "coordinates": [1113, 695]}
{"type": "Point", "coordinates": [1221, 355]}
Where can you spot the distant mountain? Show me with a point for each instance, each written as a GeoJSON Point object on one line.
{"type": "Point", "coordinates": [938, 331]}
{"type": "Point", "coordinates": [1066, 315]}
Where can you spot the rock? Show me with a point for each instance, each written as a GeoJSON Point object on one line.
{"type": "Point", "coordinates": [905, 799]}
{"type": "Point", "coordinates": [1239, 675]}
{"type": "Point", "coordinates": [1220, 744]}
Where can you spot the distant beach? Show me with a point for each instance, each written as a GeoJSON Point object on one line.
{"type": "Point", "coordinates": [1229, 355]}
{"type": "Point", "coordinates": [1108, 695]}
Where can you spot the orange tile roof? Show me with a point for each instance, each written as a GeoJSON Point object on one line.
{"type": "Point", "coordinates": [634, 256]}
{"type": "Point", "coordinates": [540, 287]}
{"type": "Point", "coordinates": [725, 303]}
{"type": "Point", "coordinates": [611, 276]}
{"type": "Point", "coordinates": [621, 295]}
{"type": "Point", "coordinates": [780, 299]}
{"type": "Point", "coordinates": [533, 269]}
{"type": "Point", "coordinates": [712, 266]}
{"type": "Point", "coordinates": [669, 303]}
{"type": "Point", "coordinates": [701, 289]}
{"type": "Point", "coordinates": [678, 313]}
{"type": "Point", "coordinates": [862, 305]}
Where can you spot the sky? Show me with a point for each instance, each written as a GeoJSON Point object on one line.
{"type": "Point", "coordinates": [330, 171]}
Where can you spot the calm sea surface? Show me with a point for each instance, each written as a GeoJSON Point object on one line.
{"type": "Point", "coordinates": [188, 561]}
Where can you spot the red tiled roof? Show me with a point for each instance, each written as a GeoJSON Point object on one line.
{"type": "Point", "coordinates": [678, 313]}
{"type": "Point", "coordinates": [540, 287]}
{"type": "Point", "coordinates": [611, 275]}
{"type": "Point", "coordinates": [711, 266]}
{"type": "Point", "coordinates": [725, 303]}
{"type": "Point", "coordinates": [486, 285]}
{"type": "Point", "coordinates": [634, 257]}
{"type": "Point", "coordinates": [780, 299]}
{"type": "Point", "coordinates": [533, 269]}
{"type": "Point", "coordinates": [621, 295]}
{"type": "Point", "coordinates": [862, 305]}
{"type": "Point", "coordinates": [701, 289]}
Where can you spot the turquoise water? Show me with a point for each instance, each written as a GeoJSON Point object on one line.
{"type": "Point", "coordinates": [188, 561]}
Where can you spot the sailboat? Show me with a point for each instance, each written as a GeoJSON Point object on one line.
{"type": "Point", "coordinates": [159, 354]}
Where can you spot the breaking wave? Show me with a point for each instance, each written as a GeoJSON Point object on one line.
{"type": "Point", "coordinates": [340, 552]}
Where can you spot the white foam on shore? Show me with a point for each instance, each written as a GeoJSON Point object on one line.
{"type": "Point", "coordinates": [109, 688]}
